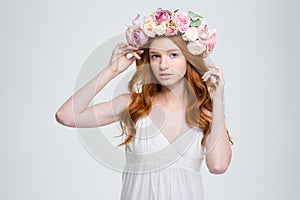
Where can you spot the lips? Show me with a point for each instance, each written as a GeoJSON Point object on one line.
{"type": "Point", "coordinates": [164, 74]}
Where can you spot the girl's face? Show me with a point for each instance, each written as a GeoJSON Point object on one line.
{"type": "Point", "coordinates": [167, 61]}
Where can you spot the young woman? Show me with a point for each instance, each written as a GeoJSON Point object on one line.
{"type": "Point", "coordinates": [173, 116]}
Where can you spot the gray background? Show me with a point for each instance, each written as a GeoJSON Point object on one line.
{"type": "Point", "coordinates": [45, 43]}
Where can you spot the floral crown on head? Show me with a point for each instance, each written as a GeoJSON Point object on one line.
{"type": "Point", "coordinates": [191, 26]}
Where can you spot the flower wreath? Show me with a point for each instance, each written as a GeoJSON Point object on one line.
{"type": "Point", "coordinates": [191, 26]}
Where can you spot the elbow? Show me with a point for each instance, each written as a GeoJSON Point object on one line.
{"type": "Point", "coordinates": [219, 163]}
{"type": "Point", "coordinates": [62, 118]}
{"type": "Point", "coordinates": [218, 169]}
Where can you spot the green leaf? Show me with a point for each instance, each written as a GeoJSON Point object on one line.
{"type": "Point", "coordinates": [194, 16]}
{"type": "Point", "coordinates": [195, 23]}
{"type": "Point", "coordinates": [175, 11]}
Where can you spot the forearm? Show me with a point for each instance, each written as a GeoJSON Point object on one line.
{"type": "Point", "coordinates": [218, 150]}
{"type": "Point", "coordinates": [217, 123]}
{"type": "Point", "coordinates": [80, 100]}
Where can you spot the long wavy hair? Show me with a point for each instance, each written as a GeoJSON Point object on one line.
{"type": "Point", "coordinates": [197, 114]}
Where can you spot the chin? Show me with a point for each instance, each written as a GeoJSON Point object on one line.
{"type": "Point", "coordinates": [168, 83]}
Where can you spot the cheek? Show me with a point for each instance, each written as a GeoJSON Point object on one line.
{"type": "Point", "coordinates": [183, 71]}
{"type": "Point", "coordinates": [155, 70]}
{"type": "Point", "coordinates": [181, 68]}
{"type": "Point", "coordinates": [154, 67]}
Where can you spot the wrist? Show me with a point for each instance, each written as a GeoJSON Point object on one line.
{"type": "Point", "coordinates": [217, 99]}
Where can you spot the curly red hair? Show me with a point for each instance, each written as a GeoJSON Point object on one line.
{"type": "Point", "coordinates": [197, 114]}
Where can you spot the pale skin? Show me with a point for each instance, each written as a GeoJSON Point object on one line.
{"type": "Point", "coordinates": [169, 66]}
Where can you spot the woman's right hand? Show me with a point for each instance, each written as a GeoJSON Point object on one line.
{"type": "Point", "coordinates": [119, 61]}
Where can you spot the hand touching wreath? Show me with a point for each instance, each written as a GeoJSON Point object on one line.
{"type": "Point", "coordinates": [119, 60]}
{"type": "Point", "coordinates": [215, 74]}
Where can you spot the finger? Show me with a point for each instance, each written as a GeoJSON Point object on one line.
{"type": "Point", "coordinates": [123, 48]}
{"type": "Point", "coordinates": [215, 70]}
{"type": "Point", "coordinates": [205, 78]}
{"type": "Point", "coordinates": [121, 44]}
{"type": "Point", "coordinates": [214, 80]}
{"type": "Point", "coordinates": [215, 74]}
{"type": "Point", "coordinates": [140, 52]}
{"type": "Point", "coordinates": [136, 55]}
{"type": "Point", "coordinates": [214, 67]}
{"type": "Point", "coordinates": [218, 75]}
{"type": "Point", "coordinates": [132, 59]}
{"type": "Point", "coordinates": [131, 54]}
{"type": "Point", "coordinates": [119, 52]}
{"type": "Point", "coordinates": [137, 52]}
{"type": "Point", "coordinates": [128, 47]}
{"type": "Point", "coordinates": [206, 75]}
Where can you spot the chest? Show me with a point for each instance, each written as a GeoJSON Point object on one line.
{"type": "Point", "coordinates": [170, 124]}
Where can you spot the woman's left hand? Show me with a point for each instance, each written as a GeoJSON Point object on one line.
{"type": "Point", "coordinates": [215, 73]}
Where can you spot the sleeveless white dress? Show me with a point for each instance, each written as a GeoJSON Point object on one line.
{"type": "Point", "coordinates": [156, 169]}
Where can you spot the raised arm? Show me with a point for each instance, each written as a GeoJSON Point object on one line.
{"type": "Point", "coordinates": [75, 111]}
{"type": "Point", "coordinates": [218, 147]}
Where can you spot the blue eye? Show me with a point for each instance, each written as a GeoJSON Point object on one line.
{"type": "Point", "coordinates": [154, 56]}
{"type": "Point", "coordinates": [174, 54]}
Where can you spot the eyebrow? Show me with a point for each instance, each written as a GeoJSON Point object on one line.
{"type": "Point", "coordinates": [170, 50]}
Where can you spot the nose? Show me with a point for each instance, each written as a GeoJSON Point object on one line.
{"type": "Point", "coordinates": [163, 65]}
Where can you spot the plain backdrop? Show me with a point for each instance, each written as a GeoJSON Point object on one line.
{"type": "Point", "coordinates": [44, 44]}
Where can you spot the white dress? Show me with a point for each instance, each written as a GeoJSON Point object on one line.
{"type": "Point", "coordinates": [156, 169]}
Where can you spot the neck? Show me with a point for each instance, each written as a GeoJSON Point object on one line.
{"type": "Point", "coordinates": [174, 97]}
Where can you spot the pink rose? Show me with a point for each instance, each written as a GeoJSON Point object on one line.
{"type": "Point", "coordinates": [203, 32]}
{"type": "Point", "coordinates": [162, 16]}
{"type": "Point", "coordinates": [135, 21]}
{"type": "Point", "coordinates": [136, 37]}
{"type": "Point", "coordinates": [171, 30]}
{"type": "Point", "coordinates": [210, 44]}
{"type": "Point", "coordinates": [182, 21]}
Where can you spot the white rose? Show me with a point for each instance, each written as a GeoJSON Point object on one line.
{"type": "Point", "coordinates": [191, 34]}
{"type": "Point", "coordinates": [160, 29]}
{"type": "Point", "coordinates": [196, 47]}
{"type": "Point", "coordinates": [203, 34]}
{"type": "Point", "coordinates": [149, 28]}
